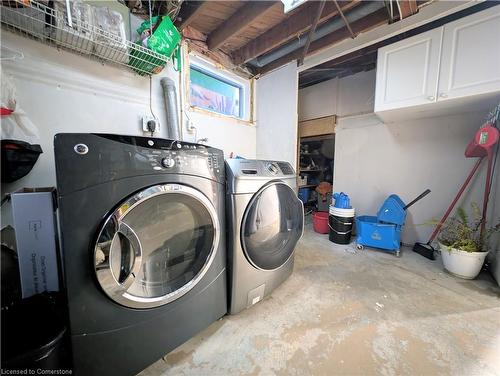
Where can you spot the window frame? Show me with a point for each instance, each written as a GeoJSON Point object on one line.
{"type": "Point", "coordinates": [225, 80]}
{"type": "Point", "coordinates": [218, 72]}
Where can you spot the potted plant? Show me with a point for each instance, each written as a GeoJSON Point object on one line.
{"type": "Point", "coordinates": [463, 248]}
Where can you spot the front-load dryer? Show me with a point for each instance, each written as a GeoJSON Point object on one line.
{"type": "Point", "coordinates": [265, 222]}
{"type": "Point", "coordinates": [143, 243]}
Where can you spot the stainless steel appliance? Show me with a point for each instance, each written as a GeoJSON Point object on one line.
{"type": "Point", "coordinates": [265, 221]}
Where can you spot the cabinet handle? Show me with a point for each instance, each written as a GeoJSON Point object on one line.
{"type": "Point", "coordinates": [431, 97]}
{"type": "Point", "coordinates": [443, 95]}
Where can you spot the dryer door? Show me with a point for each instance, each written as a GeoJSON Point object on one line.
{"type": "Point", "coordinates": [272, 225]}
{"type": "Point", "coordinates": [156, 245]}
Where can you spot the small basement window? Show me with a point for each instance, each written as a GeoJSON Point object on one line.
{"type": "Point", "coordinates": [214, 93]}
{"type": "Point", "coordinates": [218, 91]}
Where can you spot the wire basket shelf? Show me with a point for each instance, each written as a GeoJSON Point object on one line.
{"type": "Point", "coordinates": [52, 26]}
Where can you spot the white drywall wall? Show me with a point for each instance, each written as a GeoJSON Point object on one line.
{"type": "Point", "coordinates": [229, 134]}
{"type": "Point", "coordinates": [344, 97]}
{"type": "Point", "coordinates": [356, 95]}
{"type": "Point", "coordinates": [277, 115]}
{"type": "Point", "coordinates": [64, 92]}
{"type": "Point", "coordinates": [373, 160]}
{"type": "Point", "coordinates": [318, 100]}
{"type": "Point", "coordinates": [224, 133]}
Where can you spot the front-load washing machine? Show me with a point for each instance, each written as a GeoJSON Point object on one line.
{"type": "Point", "coordinates": [143, 243]}
{"type": "Point", "coordinates": [265, 222]}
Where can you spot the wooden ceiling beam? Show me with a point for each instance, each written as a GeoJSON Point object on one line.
{"type": "Point", "coordinates": [360, 60]}
{"type": "Point", "coordinates": [352, 56]}
{"type": "Point", "coordinates": [408, 8]}
{"type": "Point", "coordinates": [194, 15]}
{"type": "Point", "coordinates": [314, 80]}
{"type": "Point", "coordinates": [366, 23]}
{"type": "Point", "coordinates": [295, 25]}
{"type": "Point", "coordinates": [196, 41]}
{"type": "Point", "coordinates": [242, 18]}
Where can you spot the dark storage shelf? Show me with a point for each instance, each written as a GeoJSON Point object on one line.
{"type": "Point", "coordinates": [311, 155]}
{"type": "Point", "coordinates": [310, 170]}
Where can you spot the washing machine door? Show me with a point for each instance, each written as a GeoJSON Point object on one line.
{"type": "Point", "coordinates": [272, 225]}
{"type": "Point", "coordinates": [156, 246]}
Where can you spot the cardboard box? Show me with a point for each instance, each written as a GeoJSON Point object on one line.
{"type": "Point", "coordinates": [33, 212]}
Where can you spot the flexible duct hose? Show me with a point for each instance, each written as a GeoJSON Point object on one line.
{"type": "Point", "coordinates": [170, 93]}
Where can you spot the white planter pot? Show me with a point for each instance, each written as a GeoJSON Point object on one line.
{"type": "Point", "coordinates": [462, 264]}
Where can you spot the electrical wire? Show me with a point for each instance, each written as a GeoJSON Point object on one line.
{"type": "Point", "coordinates": [399, 10]}
{"type": "Point", "coordinates": [151, 100]}
{"type": "Point", "coordinates": [150, 19]}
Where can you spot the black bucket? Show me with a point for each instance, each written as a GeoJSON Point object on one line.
{"type": "Point", "coordinates": [34, 335]}
{"type": "Point", "coordinates": [340, 222]}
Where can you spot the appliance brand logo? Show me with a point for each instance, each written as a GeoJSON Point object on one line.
{"type": "Point", "coordinates": [81, 149]}
{"type": "Point", "coordinates": [171, 187]}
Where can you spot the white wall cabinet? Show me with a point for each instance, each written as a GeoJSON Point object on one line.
{"type": "Point", "coordinates": [408, 71]}
{"type": "Point", "coordinates": [470, 59]}
{"type": "Point", "coordinates": [440, 68]}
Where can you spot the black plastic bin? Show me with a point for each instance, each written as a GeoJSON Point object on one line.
{"type": "Point", "coordinates": [34, 334]}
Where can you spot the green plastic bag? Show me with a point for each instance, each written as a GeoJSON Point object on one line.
{"type": "Point", "coordinates": [165, 36]}
{"type": "Point", "coordinates": [164, 41]}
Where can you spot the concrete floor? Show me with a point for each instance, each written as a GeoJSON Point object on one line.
{"type": "Point", "coordinates": [355, 313]}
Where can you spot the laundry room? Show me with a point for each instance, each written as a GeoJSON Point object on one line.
{"type": "Point", "coordinates": [303, 187]}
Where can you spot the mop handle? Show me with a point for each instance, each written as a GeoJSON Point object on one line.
{"type": "Point", "coordinates": [422, 195]}
{"type": "Point", "coordinates": [450, 208]}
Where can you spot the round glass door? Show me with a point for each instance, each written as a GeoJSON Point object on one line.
{"type": "Point", "coordinates": [272, 225]}
{"type": "Point", "coordinates": [156, 246]}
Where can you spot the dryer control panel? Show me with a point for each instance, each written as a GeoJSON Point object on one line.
{"type": "Point", "coordinates": [104, 157]}
{"type": "Point", "coordinates": [249, 175]}
{"type": "Point", "coordinates": [253, 168]}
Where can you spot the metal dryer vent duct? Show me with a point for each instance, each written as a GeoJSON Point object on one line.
{"type": "Point", "coordinates": [170, 93]}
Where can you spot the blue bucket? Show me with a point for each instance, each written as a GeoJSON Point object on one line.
{"type": "Point", "coordinates": [304, 194]}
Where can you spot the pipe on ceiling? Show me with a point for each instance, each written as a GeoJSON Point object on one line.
{"type": "Point", "coordinates": [337, 23]}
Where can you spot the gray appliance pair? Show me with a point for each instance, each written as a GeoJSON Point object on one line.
{"type": "Point", "coordinates": [265, 222]}
{"type": "Point", "coordinates": [142, 230]}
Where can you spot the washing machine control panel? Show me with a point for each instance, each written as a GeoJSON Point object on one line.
{"type": "Point", "coordinates": [193, 161]}
{"type": "Point", "coordinates": [105, 157]}
{"type": "Point", "coordinates": [168, 162]}
{"type": "Point", "coordinates": [183, 157]}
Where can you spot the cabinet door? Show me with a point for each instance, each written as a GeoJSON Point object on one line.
{"type": "Point", "coordinates": [407, 71]}
{"type": "Point", "coordinates": [470, 62]}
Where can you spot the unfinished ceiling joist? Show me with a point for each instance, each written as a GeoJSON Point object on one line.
{"type": "Point", "coordinates": [238, 22]}
{"type": "Point", "coordinates": [194, 15]}
{"type": "Point", "coordinates": [365, 58]}
{"type": "Point", "coordinates": [196, 41]}
{"type": "Point", "coordinates": [408, 7]}
{"type": "Point", "coordinates": [295, 25]}
{"type": "Point", "coordinates": [366, 23]}
{"type": "Point", "coordinates": [316, 75]}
